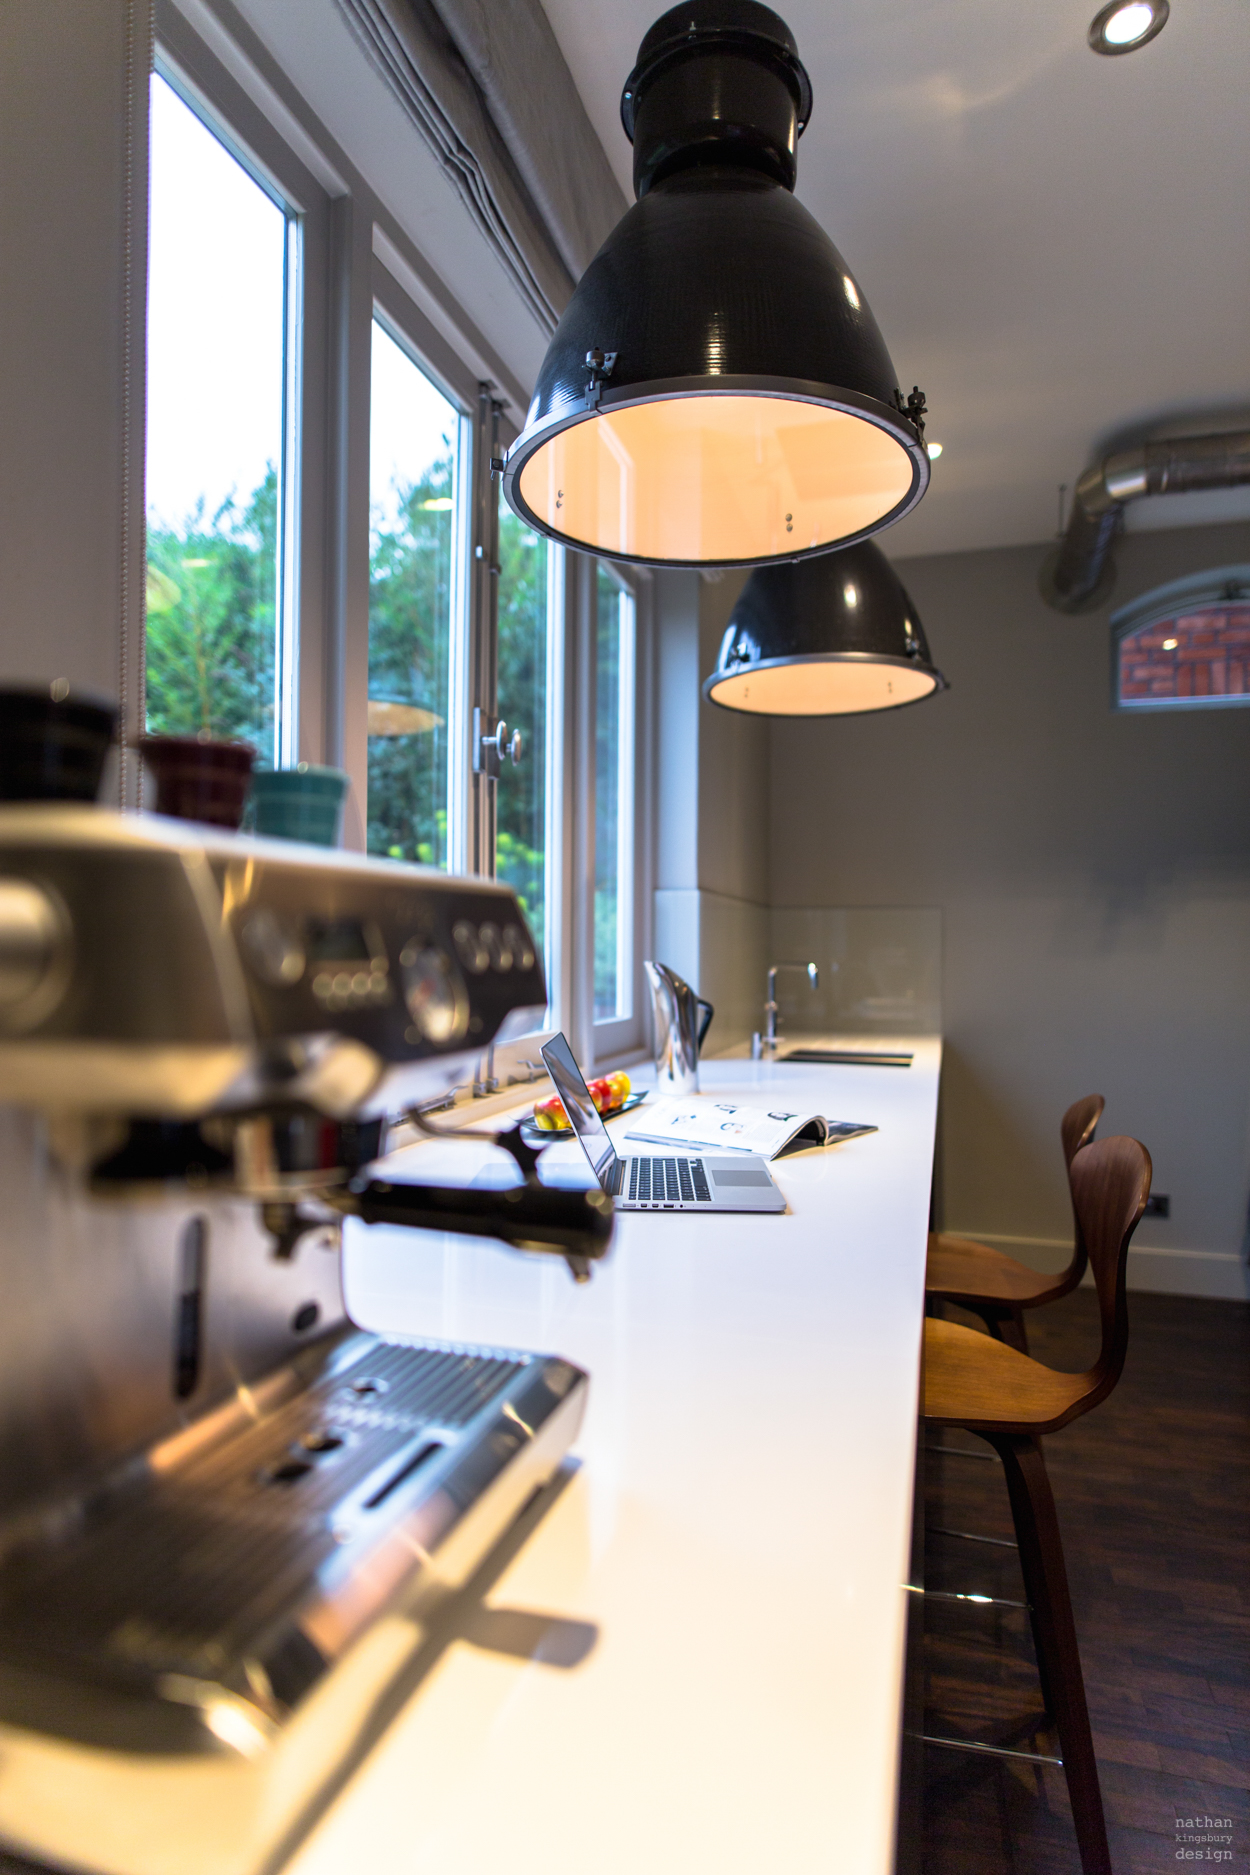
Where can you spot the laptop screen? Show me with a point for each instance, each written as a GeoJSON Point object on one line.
{"type": "Point", "coordinates": [581, 1109]}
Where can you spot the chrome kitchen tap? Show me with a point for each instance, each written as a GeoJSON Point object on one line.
{"type": "Point", "coordinates": [767, 1043]}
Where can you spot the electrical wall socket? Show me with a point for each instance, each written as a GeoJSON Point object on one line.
{"type": "Point", "coordinates": [1158, 1204]}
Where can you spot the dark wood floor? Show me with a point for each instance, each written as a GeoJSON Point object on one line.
{"type": "Point", "coordinates": [1153, 1493]}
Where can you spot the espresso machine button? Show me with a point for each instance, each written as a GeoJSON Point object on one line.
{"type": "Point", "coordinates": [470, 948]}
{"type": "Point", "coordinates": [31, 940]}
{"type": "Point", "coordinates": [518, 944]}
{"type": "Point", "coordinates": [496, 946]}
{"type": "Point", "coordinates": [272, 949]}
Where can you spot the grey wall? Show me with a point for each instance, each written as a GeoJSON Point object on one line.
{"type": "Point", "coordinates": [1093, 870]}
{"type": "Point", "coordinates": [711, 917]}
{"type": "Point", "coordinates": [733, 771]}
{"type": "Point", "coordinates": [63, 116]}
{"type": "Point", "coordinates": [676, 743]}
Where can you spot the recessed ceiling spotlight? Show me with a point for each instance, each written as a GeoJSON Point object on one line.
{"type": "Point", "coordinates": [935, 450]}
{"type": "Point", "coordinates": [1127, 24]}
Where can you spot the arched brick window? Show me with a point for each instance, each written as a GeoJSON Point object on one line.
{"type": "Point", "coordinates": [1185, 646]}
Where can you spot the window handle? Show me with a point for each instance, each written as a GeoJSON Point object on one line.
{"type": "Point", "coordinates": [489, 751]}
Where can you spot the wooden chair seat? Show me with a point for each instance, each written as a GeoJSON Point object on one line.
{"type": "Point", "coordinates": [994, 1286]}
{"type": "Point", "coordinates": [974, 1381]}
{"type": "Point", "coordinates": [962, 1270]}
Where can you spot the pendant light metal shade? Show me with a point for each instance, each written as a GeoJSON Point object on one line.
{"type": "Point", "coordinates": [717, 391]}
{"type": "Point", "coordinates": [833, 636]}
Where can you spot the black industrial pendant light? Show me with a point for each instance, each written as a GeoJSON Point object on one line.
{"type": "Point", "coordinates": [717, 391]}
{"type": "Point", "coordinates": [833, 636]}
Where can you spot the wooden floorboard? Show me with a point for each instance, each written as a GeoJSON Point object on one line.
{"type": "Point", "coordinates": [1153, 1493]}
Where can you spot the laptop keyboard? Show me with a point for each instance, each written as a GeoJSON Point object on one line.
{"type": "Point", "coordinates": [668, 1181]}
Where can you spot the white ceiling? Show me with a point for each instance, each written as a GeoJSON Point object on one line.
{"type": "Point", "coordinates": [1056, 245]}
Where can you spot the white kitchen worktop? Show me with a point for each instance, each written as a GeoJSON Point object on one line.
{"type": "Point", "coordinates": [695, 1662]}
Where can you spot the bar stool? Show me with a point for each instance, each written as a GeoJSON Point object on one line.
{"type": "Point", "coordinates": [986, 1387]}
{"type": "Point", "coordinates": [994, 1286]}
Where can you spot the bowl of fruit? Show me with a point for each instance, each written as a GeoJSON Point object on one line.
{"type": "Point", "coordinates": [610, 1093]}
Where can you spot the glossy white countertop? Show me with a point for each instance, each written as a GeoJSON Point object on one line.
{"type": "Point", "coordinates": [715, 1680]}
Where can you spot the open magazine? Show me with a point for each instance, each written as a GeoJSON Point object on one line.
{"type": "Point", "coordinates": [703, 1121]}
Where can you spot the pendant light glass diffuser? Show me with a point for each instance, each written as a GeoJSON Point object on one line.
{"type": "Point", "coordinates": [717, 391]}
{"type": "Point", "coordinates": [833, 636]}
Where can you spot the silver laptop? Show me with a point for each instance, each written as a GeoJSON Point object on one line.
{"type": "Point", "coordinates": [741, 1182]}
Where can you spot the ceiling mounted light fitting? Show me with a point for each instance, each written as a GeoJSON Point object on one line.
{"type": "Point", "coordinates": [1126, 24]}
{"type": "Point", "coordinates": [835, 635]}
{"type": "Point", "coordinates": [717, 391]}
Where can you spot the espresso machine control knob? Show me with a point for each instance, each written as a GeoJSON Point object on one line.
{"type": "Point", "coordinates": [434, 994]}
{"type": "Point", "coordinates": [32, 938]}
{"type": "Point", "coordinates": [273, 950]}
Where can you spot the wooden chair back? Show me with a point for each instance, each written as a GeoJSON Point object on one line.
{"type": "Point", "coordinates": [1110, 1182]}
{"type": "Point", "coordinates": [1076, 1129]}
{"type": "Point", "coordinates": [1078, 1125]}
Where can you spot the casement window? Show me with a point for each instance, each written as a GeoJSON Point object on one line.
{"type": "Point", "coordinates": [528, 676]}
{"type": "Point", "coordinates": [223, 369]}
{"type": "Point", "coordinates": [418, 445]}
{"type": "Point", "coordinates": [615, 760]}
{"type": "Point", "coordinates": [619, 648]}
{"type": "Point", "coordinates": [331, 575]}
{"type": "Point", "coordinates": [1185, 646]}
{"type": "Point", "coordinates": [239, 478]}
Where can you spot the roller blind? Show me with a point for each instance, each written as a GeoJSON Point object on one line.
{"type": "Point", "coordinates": [486, 84]}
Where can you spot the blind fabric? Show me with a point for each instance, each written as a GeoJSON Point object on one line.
{"type": "Point", "coordinates": [486, 84]}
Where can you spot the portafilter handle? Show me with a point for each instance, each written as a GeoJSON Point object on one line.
{"type": "Point", "coordinates": [577, 1225]}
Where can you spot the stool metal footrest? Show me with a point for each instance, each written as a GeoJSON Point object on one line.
{"type": "Point", "coordinates": [993, 1751]}
{"type": "Point", "coordinates": [957, 1451]}
{"type": "Point", "coordinates": [971, 1536]}
{"type": "Point", "coordinates": [982, 1601]}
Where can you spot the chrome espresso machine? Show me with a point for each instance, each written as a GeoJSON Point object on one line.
{"type": "Point", "coordinates": [226, 1514]}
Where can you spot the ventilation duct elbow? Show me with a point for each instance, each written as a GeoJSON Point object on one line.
{"type": "Point", "coordinates": [1079, 576]}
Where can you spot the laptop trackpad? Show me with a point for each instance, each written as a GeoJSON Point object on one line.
{"type": "Point", "coordinates": [740, 1175]}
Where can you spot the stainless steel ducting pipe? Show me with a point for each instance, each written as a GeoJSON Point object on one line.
{"type": "Point", "coordinates": [1080, 574]}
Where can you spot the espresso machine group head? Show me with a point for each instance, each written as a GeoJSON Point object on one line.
{"type": "Point", "coordinates": [225, 1512]}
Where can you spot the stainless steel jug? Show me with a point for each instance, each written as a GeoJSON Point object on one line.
{"type": "Point", "coordinates": [678, 1031]}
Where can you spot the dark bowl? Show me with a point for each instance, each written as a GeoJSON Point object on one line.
{"type": "Point", "coordinates": [52, 747]}
{"type": "Point", "coordinates": [199, 779]}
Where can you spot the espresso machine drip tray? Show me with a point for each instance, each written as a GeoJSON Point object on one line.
{"type": "Point", "coordinates": [199, 1611]}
